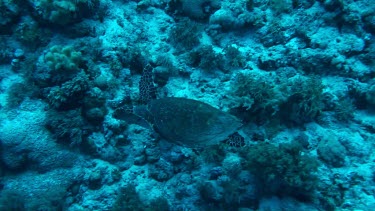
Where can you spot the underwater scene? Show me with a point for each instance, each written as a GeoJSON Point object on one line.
{"type": "Point", "coordinates": [187, 105]}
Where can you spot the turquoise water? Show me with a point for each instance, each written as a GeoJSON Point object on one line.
{"type": "Point", "coordinates": [127, 105]}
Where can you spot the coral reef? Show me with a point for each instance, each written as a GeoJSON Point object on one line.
{"type": "Point", "coordinates": [187, 105]}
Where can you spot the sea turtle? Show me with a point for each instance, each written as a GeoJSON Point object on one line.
{"type": "Point", "coordinates": [184, 121]}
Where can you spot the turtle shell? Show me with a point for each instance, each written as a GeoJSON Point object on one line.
{"type": "Point", "coordinates": [190, 122]}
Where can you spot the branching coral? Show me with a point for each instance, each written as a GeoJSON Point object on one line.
{"type": "Point", "coordinates": [62, 12]}
{"type": "Point", "coordinates": [69, 94]}
{"type": "Point", "coordinates": [199, 9]}
{"type": "Point", "coordinates": [185, 33]}
{"type": "Point", "coordinates": [67, 127]}
{"type": "Point", "coordinates": [254, 96]}
{"type": "Point", "coordinates": [129, 200]}
{"type": "Point", "coordinates": [305, 101]}
{"type": "Point", "coordinates": [208, 59]}
{"type": "Point", "coordinates": [283, 169]}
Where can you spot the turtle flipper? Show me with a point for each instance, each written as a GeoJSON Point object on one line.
{"type": "Point", "coordinates": [147, 89]}
{"type": "Point", "coordinates": [139, 114]}
{"type": "Point", "coordinates": [130, 117]}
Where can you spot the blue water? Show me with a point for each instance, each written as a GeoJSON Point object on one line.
{"type": "Point", "coordinates": [83, 126]}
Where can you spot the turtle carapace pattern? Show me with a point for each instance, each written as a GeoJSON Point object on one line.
{"type": "Point", "coordinates": [189, 122]}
